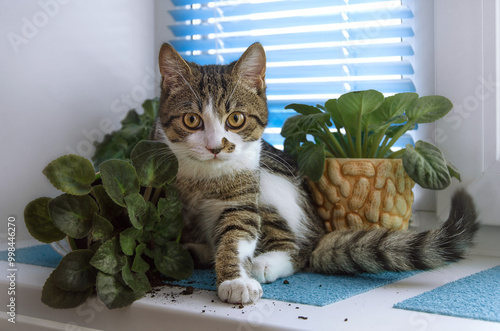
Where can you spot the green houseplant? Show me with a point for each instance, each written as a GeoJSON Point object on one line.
{"type": "Point", "coordinates": [367, 126]}
{"type": "Point", "coordinates": [134, 128]}
{"type": "Point", "coordinates": [123, 224]}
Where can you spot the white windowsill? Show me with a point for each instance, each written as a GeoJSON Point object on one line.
{"type": "Point", "coordinates": [169, 310]}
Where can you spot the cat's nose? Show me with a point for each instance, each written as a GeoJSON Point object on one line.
{"type": "Point", "coordinates": [215, 150]}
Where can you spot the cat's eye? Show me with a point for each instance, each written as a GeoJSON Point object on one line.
{"type": "Point", "coordinates": [192, 121]}
{"type": "Point", "coordinates": [236, 120]}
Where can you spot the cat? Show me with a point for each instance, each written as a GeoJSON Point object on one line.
{"type": "Point", "coordinates": [247, 210]}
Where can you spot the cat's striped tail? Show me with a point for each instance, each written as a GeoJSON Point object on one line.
{"type": "Point", "coordinates": [378, 250]}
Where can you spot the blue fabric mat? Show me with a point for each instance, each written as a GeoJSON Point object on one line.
{"type": "Point", "coordinates": [476, 296]}
{"type": "Point", "coordinates": [305, 288]}
{"type": "Point", "coordinates": [42, 255]}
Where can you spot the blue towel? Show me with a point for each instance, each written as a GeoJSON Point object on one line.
{"type": "Point", "coordinates": [42, 255]}
{"type": "Point", "coordinates": [476, 296]}
{"type": "Point", "coordinates": [307, 288]}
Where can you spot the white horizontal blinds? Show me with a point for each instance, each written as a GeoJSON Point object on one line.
{"type": "Point", "coordinates": [316, 49]}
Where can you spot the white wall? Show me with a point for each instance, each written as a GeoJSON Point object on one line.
{"type": "Point", "coordinates": [424, 65]}
{"type": "Point", "coordinates": [162, 20]}
{"type": "Point", "coordinates": [69, 71]}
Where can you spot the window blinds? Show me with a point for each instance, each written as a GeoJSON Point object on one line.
{"type": "Point", "coordinates": [316, 49]}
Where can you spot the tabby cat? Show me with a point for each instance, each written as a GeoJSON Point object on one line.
{"type": "Point", "coordinates": [246, 208]}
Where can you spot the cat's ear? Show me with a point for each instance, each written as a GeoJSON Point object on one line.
{"type": "Point", "coordinates": [251, 66]}
{"type": "Point", "coordinates": [174, 70]}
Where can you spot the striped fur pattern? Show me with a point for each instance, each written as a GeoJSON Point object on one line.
{"type": "Point", "coordinates": [247, 211]}
{"type": "Point", "coordinates": [378, 250]}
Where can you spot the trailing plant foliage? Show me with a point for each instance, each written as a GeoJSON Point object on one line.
{"type": "Point", "coordinates": [134, 128]}
{"type": "Point", "coordinates": [367, 126]}
{"type": "Point", "coordinates": [123, 223]}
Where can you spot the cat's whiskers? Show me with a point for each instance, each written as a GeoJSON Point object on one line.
{"type": "Point", "coordinates": [160, 152]}
{"type": "Point", "coordinates": [166, 157]}
{"type": "Point", "coordinates": [163, 155]}
{"type": "Point", "coordinates": [281, 161]}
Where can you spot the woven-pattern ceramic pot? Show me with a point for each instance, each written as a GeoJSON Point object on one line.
{"type": "Point", "coordinates": [364, 193]}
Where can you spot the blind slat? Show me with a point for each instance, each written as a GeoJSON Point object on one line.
{"type": "Point", "coordinates": [358, 69]}
{"type": "Point", "coordinates": [384, 86]}
{"type": "Point", "coordinates": [205, 27]}
{"type": "Point", "coordinates": [311, 53]}
{"type": "Point", "coordinates": [293, 38]}
{"type": "Point", "coordinates": [181, 3]}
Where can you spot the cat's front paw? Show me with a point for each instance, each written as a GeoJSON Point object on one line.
{"type": "Point", "coordinates": [270, 266]}
{"type": "Point", "coordinates": [240, 290]}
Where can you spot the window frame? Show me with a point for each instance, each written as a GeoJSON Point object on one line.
{"type": "Point", "coordinates": [469, 136]}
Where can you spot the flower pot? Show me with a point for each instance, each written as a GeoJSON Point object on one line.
{"type": "Point", "coordinates": [363, 194]}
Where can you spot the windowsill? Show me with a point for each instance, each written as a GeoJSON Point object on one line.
{"type": "Point", "coordinates": [171, 310]}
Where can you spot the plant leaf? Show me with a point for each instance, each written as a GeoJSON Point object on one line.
{"type": "Point", "coordinates": [453, 170]}
{"type": "Point", "coordinates": [119, 179]}
{"type": "Point", "coordinates": [108, 258]}
{"type": "Point", "coordinates": [321, 107]}
{"type": "Point", "coordinates": [392, 109]}
{"type": "Point", "coordinates": [303, 109]}
{"type": "Point", "coordinates": [107, 207]}
{"type": "Point", "coordinates": [71, 174]}
{"type": "Point", "coordinates": [136, 207]}
{"type": "Point", "coordinates": [127, 240]}
{"type": "Point", "coordinates": [292, 144]}
{"type": "Point", "coordinates": [170, 223]}
{"type": "Point", "coordinates": [392, 130]}
{"type": "Point", "coordinates": [73, 214]}
{"type": "Point", "coordinates": [134, 128]}
{"type": "Point", "coordinates": [333, 109]}
{"type": "Point", "coordinates": [171, 204]}
{"type": "Point", "coordinates": [113, 293]}
{"type": "Point", "coordinates": [354, 104]}
{"type": "Point", "coordinates": [39, 223]}
{"type": "Point", "coordinates": [151, 107]}
{"type": "Point", "coordinates": [428, 109]}
{"type": "Point", "coordinates": [113, 146]}
{"type": "Point", "coordinates": [74, 272]}
{"type": "Point", "coordinates": [311, 160]}
{"type": "Point", "coordinates": [139, 265]}
{"type": "Point", "coordinates": [137, 281]}
{"type": "Point", "coordinates": [151, 216]}
{"type": "Point", "coordinates": [154, 162]}
{"type": "Point", "coordinates": [426, 165]}
{"type": "Point", "coordinates": [313, 123]}
{"type": "Point", "coordinates": [101, 228]}
{"type": "Point", "coordinates": [168, 228]}
{"type": "Point", "coordinates": [398, 119]}
{"type": "Point", "coordinates": [290, 127]}
{"type": "Point", "coordinates": [54, 297]}
{"type": "Point", "coordinates": [173, 261]}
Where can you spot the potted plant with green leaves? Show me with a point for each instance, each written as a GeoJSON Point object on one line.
{"type": "Point", "coordinates": [123, 224]}
{"type": "Point", "coordinates": [356, 179]}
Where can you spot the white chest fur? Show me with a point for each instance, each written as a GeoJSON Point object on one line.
{"type": "Point", "coordinates": [279, 193]}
